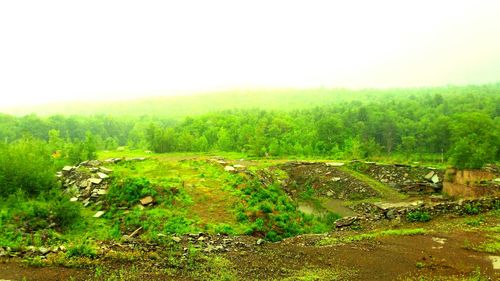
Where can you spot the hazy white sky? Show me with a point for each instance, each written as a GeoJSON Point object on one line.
{"type": "Point", "coordinates": [63, 50]}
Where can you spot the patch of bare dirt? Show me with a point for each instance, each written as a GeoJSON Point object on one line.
{"type": "Point", "coordinates": [16, 270]}
{"type": "Point", "coordinates": [387, 258]}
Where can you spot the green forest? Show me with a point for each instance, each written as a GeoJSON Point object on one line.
{"type": "Point", "coordinates": [459, 126]}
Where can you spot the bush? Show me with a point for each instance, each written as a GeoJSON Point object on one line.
{"type": "Point", "coordinates": [66, 213]}
{"type": "Point", "coordinates": [471, 209]}
{"type": "Point", "coordinates": [84, 249]}
{"type": "Point", "coordinates": [26, 165]}
{"type": "Point", "coordinates": [40, 213]}
{"type": "Point", "coordinates": [128, 191]}
{"type": "Point", "coordinates": [418, 216]}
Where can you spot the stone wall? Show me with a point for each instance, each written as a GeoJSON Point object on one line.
{"type": "Point", "coordinates": [471, 183]}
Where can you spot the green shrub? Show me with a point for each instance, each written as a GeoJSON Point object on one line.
{"type": "Point", "coordinates": [26, 165]}
{"type": "Point", "coordinates": [66, 213]}
{"type": "Point", "coordinates": [84, 249]}
{"type": "Point", "coordinates": [418, 216]}
{"type": "Point", "coordinates": [471, 209]}
{"type": "Point", "coordinates": [126, 192]}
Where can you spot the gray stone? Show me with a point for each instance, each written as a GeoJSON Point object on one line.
{"type": "Point", "coordinates": [239, 167]}
{"type": "Point", "coordinates": [68, 168]}
{"type": "Point", "coordinates": [176, 239]}
{"type": "Point", "coordinates": [99, 214]}
{"type": "Point", "coordinates": [73, 199]}
{"type": "Point", "coordinates": [95, 180]}
{"type": "Point", "coordinates": [229, 169]}
{"type": "Point", "coordinates": [105, 170]}
{"type": "Point", "coordinates": [43, 250]}
{"type": "Point", "coordinates": [435, 179]}
{"type": "Point", "coordinates": [335, 164]}
{"type": "Point", "coordinates": [102, 175]}
{"type": "Point", "coordinates": [102, 192]}
{"type": "Point", "coordinates": [147, 200]}
{"type": "Point", "coordinates": [390, 214]}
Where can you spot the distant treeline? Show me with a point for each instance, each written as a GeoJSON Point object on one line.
{"type": "Point", "coordinates": [460, 123]}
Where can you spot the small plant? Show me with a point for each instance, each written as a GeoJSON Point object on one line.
{"type": "Point", "coordinates": [420, 264]}
{"type": "Point", "coordinates": [418, 216]}
{"type": "Point", "coordinates": [84, 249]}
{"type": "Point", "coordinates": [471, 209]}
{"type": "Point", "coordinates": [474, 222]}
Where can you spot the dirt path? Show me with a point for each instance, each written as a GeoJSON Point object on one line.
{"type": "Point", "coordinates": [19, 271]}
{"type": "Point", "coordinates": [387, 258]}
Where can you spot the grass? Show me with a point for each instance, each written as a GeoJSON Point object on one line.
{"type": "Point", "coordinates": [371, 236]}
{"type": "Point", "coordinates": [317, 274]}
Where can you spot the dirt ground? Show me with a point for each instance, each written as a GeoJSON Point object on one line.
{"type": "Point", "coordinates": [387, 258]}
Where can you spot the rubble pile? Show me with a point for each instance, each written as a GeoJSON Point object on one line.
{"type": "Point", "coordinates": [325, 179]}
{"type": "Point", "coordinates": [228, 167]}
{"type": "Point", "coordinates": [398, 211]}
{"type": "Point", "coordinates": [86, 182]}
{"type": "Point", "coordinates": [405, 178]}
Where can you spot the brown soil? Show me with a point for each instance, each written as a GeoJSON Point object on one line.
{"type": "Point", "coordinates": [19, 271]}
{"type": "Point", "coordinates": [387, 258]}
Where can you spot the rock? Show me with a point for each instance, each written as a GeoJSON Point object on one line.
{"type": "Point", "coordinates": [43, 250]}
{"type": "Point", "coordinates": [105, 170]}
{"type": "Point", "coordinates": [95, 180]}
{"type": "Point", "coordinates": [335, 164]}
{"type": "Point", "coordinates": [435, 179]}
{"type": "Point", "coordinates": [390, 214]}
{"type": "Point", "coordinates": [239, 167]}
{"type": "Point", "coordinates": [146, 200]}
{"type": "Point", "coordinates": [429, 175]}
{"type": "Point", "coordinates": [62, 248]}
{"type": "Point", "coordinates": [176, 239]}
{"type": "Point", "coordinates": [346, 221]}
{"type": "Point", "coordinates": [202, 238]}
{"type": "Point", "coordinates": [102, 175]}
{"type": "Point", "coordinates": [73, 199]}
{"type": "Point", "coordinates": [102, 192]}
{"type": "Point", "coordinates": [260, 241]}
{"type": "Point", "coordinates": [83, 184]}
{"type": "Point", "coordinates": [329, 193]}
{"type": "Point", "coordinates": [229, 169]}
{"type": "Point", "coordinates": [335, 179]}
{"type": "Point", "coordinates": [68, 168]}
{"type": "Point", "coordinates": [99, 214]}
{"type": "Point", "coordinates": [136, 159]}
{"type": "Point", "coordinates": [113, 160]}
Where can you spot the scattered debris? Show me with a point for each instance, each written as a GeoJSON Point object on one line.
{"type": "Point", "coordinates": [325, 180]}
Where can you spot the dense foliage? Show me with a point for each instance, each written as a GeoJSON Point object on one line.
{"type": "Point", "coordinates": [458, 124]}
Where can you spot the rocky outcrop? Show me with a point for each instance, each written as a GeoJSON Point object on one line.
{"type": "Point", "coordinates": [392, 211]}
{"type": "Point", "coordinates": [472, 183]}
{"type": "Point", "coordinates": [405, 178]}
